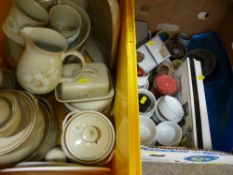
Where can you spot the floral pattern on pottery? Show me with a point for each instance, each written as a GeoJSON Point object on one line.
{"type": "Point", "coordinates": [40, 66]}
{"type": "Point", "coordinates": [40, 81]}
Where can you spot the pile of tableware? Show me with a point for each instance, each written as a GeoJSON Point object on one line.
{"type": "Point", "coordinates": [50, 134]}
{"type": "Point", "coordinates": [24, 127]}
{"type": "Point", "coordinates": [43, 44]}
{"type": "Point", "coordinates": [160, 124]}
{"type": "Point", "coordinates": [161, 112]}
{"type": "Point", "coordinates": [59, 29]}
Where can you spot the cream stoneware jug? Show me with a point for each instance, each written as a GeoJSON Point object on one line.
{"type": "Point", "coordinates": [40, 67]}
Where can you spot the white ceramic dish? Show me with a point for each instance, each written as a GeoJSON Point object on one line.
{"type": "Point", "coordinates": [170, 108]}
{"type": "Point", "coordinates": [55, 155]}
{"type": "Point", "coordinates": [147, 131]}
{"type": "Point", "coordinates": [165, 115]}
{"type": "Point", "coordinates": [103, 106]}
{"type": "Point", "coordinates": [169, 133]}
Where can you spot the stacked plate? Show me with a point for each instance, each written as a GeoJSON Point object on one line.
{"type": "Point", "coordinates": [27, 128]}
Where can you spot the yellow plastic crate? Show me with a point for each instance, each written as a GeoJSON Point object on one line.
{"type": "Point", "coordinates": [125, 109]}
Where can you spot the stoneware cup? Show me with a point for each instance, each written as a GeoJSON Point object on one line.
{"type": "Point", "coordinates": [66, 20]}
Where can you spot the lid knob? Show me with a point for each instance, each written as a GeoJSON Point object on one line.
{"type": "Point", "coordinates": [90, 134]}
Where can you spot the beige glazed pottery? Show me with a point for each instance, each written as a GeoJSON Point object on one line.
{"type": "Point", "coordinates": [51, 131]}
{"type": "Point", "coordinates": [88, 137]}
{"type": "Point", "coordinates": [92, 82]}
{"type": "Point", "coordinates": [66, 20]}
{"type": "Point", "coordinates": [10, 114]}
{"type": "Point", "coordinates": [23, 13]}
{"type": "Point", "coordinates": [85, 27]}
{"type": "Point", "coordinates": [39, 69]}
{"type": "Point", "coordinates": [27, 137]}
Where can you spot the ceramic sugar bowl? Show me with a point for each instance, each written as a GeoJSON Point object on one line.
{"type": "Point", "coordinates": [88, 137]}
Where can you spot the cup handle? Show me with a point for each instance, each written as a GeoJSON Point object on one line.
{"type": "Point", "coordinates": [80, 58]}
{"type": "Point", "coordinates": [71, 114]}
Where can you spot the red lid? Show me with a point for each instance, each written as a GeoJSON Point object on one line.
{"type": "Point", "coordinates": [166, 85]}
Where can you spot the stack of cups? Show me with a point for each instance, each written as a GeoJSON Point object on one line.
{"type": "Point", "coordinates": [167, 111]}
{"type": "Point", "coordinates": [147, 103]}
{"type": "Point", "coordinates": [168, 108]}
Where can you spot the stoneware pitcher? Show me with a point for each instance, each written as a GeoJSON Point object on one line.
{"type": "Point", "coordinates": [40, 67]}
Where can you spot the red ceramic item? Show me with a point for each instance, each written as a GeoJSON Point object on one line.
{"type": "Point", "coordinates": [165, 85]}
